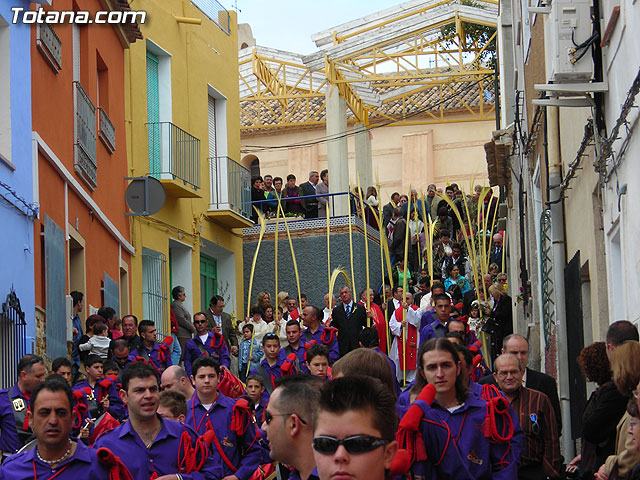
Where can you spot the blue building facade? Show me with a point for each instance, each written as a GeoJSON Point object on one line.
{"type": "Point", "coordinates": [18, 207]}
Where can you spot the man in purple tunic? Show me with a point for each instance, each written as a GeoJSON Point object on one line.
{"type": "Point", "coordinates": [156, 355]}
{"type": "Point", "coordinates": [322, 335]}
{"type": "Point", "coordinates": [237, 447]}
{"type": "Point", "coordinates": [54, 454]}
{"type": "Point", "coordinates": [205, 343]}
{"type": "Point", "coordinates": [149, 445]}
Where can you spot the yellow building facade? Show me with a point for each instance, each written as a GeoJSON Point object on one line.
{"type": "Point", "coordinates": [182, 118]}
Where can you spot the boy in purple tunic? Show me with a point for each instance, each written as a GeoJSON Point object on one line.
{"type": "Point", "coordinates": [459, 440]}
{"type": "Point", "coordinates": [205, 343]}
{"type": "Point", "coordinates": [271, 367]}
{"type": "Point", "coordinates": [150, 446]}
{"type": "Point", "coordinates": [102, 398]}
{"type": "Point", "coordinates": [156, 355]}
{"type": "Point", "coordinates": [237, 448]}
{"type": "Point", "coordinates": [54, 453]}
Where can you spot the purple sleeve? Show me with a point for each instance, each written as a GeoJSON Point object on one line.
{"type": "Point", "coordinates": [116, 407]}
{"type": "Point", "coordinates": [255, 453]}
{"type": "Point", "coordinates": [225, 359]}
{"type": "Point", "coordinates": [189, 356]}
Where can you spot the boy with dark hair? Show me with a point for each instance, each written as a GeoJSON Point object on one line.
{"type": "Point", "coordinates": [62, 367]}
{"type": "Point", "coordinates": [255, 391]}
{"type": "Point", "coordinates": [318, 361]}
{"type": "Point", "coordinates": [172, 405]}
{"type": "Point", "coordinates": [249, 353]}
{"type": "Point", "coordinates": [357, 413]}
{"type": "Point", "coordinates": [236, 452]}
{"type": "Point", "coordinates": [109, 367]}
{"type": "Point", "coordinates": [149, 445]}
{"type": "Point", "coordinates": [270, 368]}
{"type": "Point", "coordinates": [103, 396]}
{"type": "Point", "coordinates": [294, 345]}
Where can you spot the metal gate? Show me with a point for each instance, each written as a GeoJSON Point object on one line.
{"type": "Point", "coordinates": [13, 339]}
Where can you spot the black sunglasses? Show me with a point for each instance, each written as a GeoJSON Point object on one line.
{"type": "Point", "coordinates": [271, 336]}
{"type": "Point", "coordinates": [354, 445]}
{"type": "Point", "coordinates": [268, 416]}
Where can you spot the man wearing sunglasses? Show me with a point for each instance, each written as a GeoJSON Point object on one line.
{"type": "Point", "coordinates": [354, 429]}
{"type": "Point", "coordinates": [541, 455]}
{"type": "Point", "coordinates": [287, 424]}
{"type": "Point", "coordinates": [205, 343]}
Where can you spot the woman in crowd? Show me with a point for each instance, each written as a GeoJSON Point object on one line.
{"type": "Point", "coordinates": [455, 278]}
{"type": "Point", "coordinates": [371, 198]}
{"type": "Point", "coordinates": [257, 194]}
{"type": "Point", "coordinates": [601, 414]}
{"type": "Point", "coordinates": [625, 365]}
{"type": "Point", "coordinates": [263, 300]}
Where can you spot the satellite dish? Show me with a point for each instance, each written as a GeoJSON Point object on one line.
{"type": "Point", "coordinates": [144, 196]}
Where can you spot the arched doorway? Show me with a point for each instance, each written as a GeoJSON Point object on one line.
{"type": "Point", "coordinates": [252, 163]}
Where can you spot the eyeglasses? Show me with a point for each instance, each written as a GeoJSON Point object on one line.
{"type": "Point", "coordinates": [506, 373]}
{"type": "Point", "coordinates": [633, 424]}
{"type": "Point", "coordinates": [355, 445]}
{"type": "Point", "coordinates": [535, 426]}
{"type": "Point", "coordinates": [268, 416]}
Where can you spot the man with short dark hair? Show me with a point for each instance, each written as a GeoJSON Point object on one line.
{"type": "Point", "coordinates": [158, 356]}
{"type": "Point", "coordinates": [149, 445]}
{"type": "Point", "coordinates": [431, 327]}
{"type": "Point", "coordinates": [220, 322]}
{"type": "Point", "coordinates": [541, 455]}
{"type": "Point", "coordinates": [110, 316]}
{"type": "Point", "coordinates": [205, 343]}
{"type": "Point", "coordinates": [294, 335]}
{"type": "Point", "coordinates": [175, 378]}
{"type": "Point", "coordinates": [387, 210]}
{"type": "Point", "coordinates": [236, 453]}
{"type": "Point", "coordinates": [54, 454]}
{"type": "Point", "coordinates": [618, 333]}
{"type": "Point", "coordinates": [287, 423]}
{"type": "Point", "coordinates": [14, 404]}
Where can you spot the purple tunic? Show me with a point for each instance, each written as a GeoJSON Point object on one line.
{"type": "Point", "coordinates": [152, 355]}
{"type": "Point", "coordinates": [334, 352]}
{"type": "Point", "coordinates": [161, 458]}
{"type": "Point", "coordinates": [9, 441]}
{"type": "Point", "coordinates": [83, 464]}
{"type": "Point", "coordinates": [214, 346]}
{"type": "Point", "coordinates": [245, 452]}
{"type": "Point", "coordinates": [116, 407]}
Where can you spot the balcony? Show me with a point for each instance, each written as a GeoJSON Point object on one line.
{"type": "Point", "coordinates": [106, 130]}
{"type": "Point", "coordinates": [230, 202]}
{"type": "Point", "coordinates": [174, 159]}
{"type": "Point", "coordinates": [216, 13]}
{"type": "Point", "coordinates": [49, 45]}
{"type": "Point", "coordinates": [85, 137]}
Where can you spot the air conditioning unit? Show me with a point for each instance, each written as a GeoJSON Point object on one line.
{"type": "Point", "coordinates": [569, 25]}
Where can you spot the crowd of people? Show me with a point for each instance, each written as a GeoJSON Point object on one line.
{"type": "Point", "coordinates": [421, 379]}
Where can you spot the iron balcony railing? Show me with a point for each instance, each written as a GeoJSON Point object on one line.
{"type": "Point", "coordinates": [106, 130]}
{"type": "Point", "coordinates": [173, 153]}
{"type": "Point", "coordinates": [85, 135]}
{"type": "Point", "coordinates": [230, 186]}
{"type": "Point", "coordinates": [154, 294]}
{"type": "Point", "coordinates": [216, 12]}
{"type": "Point", "coordinates": [49, 45]}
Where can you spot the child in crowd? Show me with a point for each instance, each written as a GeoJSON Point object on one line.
{"type": "Point", "coordinates": [109, 367]}
{"type": "Point", "coordinates": [270, 368]}
{"type": "Point", "coordinates": [255, 391]}
{"type": "Point", "coordinates": [318, 361]}
{"type": "Point", "coordinates": [279, 327]}
{"type": "Point", "coordinates": [248, 355]}
{"type": "Point", "coordinates": [260, 327]}
{"type": "Point", "coordinates": [116, 331]}
{"type": "Point", "coordinates": [99, 343]}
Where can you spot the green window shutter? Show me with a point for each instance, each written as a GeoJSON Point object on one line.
{"type": "Point", "coordinates": [208, 277]}
{"type": "Point", "coordinates": [153, 113]}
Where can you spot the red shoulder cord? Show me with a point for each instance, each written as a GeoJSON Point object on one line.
{"type": "Point", "coordinates": [497, 406]}
{"type": "Point", "coordinates": [307, 345]}
{"type": "Point", "coordinates": [163, 349]}
{"type": "Point", "coordinates": [288, 365]}
{"type": "Point", "coordinates": [117, 469]}
{"type": "Point", "coordinates": [35, 475]}
{"type": "Point", "coordinates": [192, 458]}
{"type": "Point", "coordinates": [218, 343]}
{"type": "Point", "coordinates": [105, 384]}
{"type": "Point", "coordinates": [239, 417]}
{"type": "Point", "coordinates": [150, 362]}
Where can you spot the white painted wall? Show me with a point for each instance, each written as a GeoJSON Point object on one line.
{"type": "Point", "coordinates": [180, 258]}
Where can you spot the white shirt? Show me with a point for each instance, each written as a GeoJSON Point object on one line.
{"type": "Point", "coordinates": [203, 338]}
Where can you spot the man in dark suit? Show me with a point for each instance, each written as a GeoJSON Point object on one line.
{"type": "Point", "coordinates": [534, 380]}
{"type": "Point", "coordinates": [495, 256]}
{"type": "Point", "coordinates": [387, 210]}
{"type": "Point", "coordinates": [349, 318]}
{"type": "Point", "coordinates": [397, 230]}
{"type": "Point", "coordinates": [310, 205]}
{"type": "Point", "coordinates": [220, 322]}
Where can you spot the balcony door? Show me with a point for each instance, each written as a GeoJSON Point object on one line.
{"type": "Point", "coordinates": [208, 274]}
{"type": "Point", "coordinates": [153, 114]}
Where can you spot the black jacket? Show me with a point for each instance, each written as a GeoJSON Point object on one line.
{"type": "Point", "coordinates": [397, 243]}
{"type": "Point", "coordinates": [543, 383]}
{"type": "Point", "coordinates": [348, 328]}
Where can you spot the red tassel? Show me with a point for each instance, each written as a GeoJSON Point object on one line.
{"type": "Point", "coordinates": [288, 365]}
{"type": "Point", "coordinates": [428, 394]}
{"type": "Point", "coordinates": [117, 469]}
{"type": "Point", "coordinates": [164, 348]}
{"type": "Point", "coordinates": [401, 463]}
{"type": "Point", "coordinates": [241, 413]}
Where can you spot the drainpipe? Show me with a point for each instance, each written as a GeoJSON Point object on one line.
{"type": "Point", "coordinates": [556, 207]}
